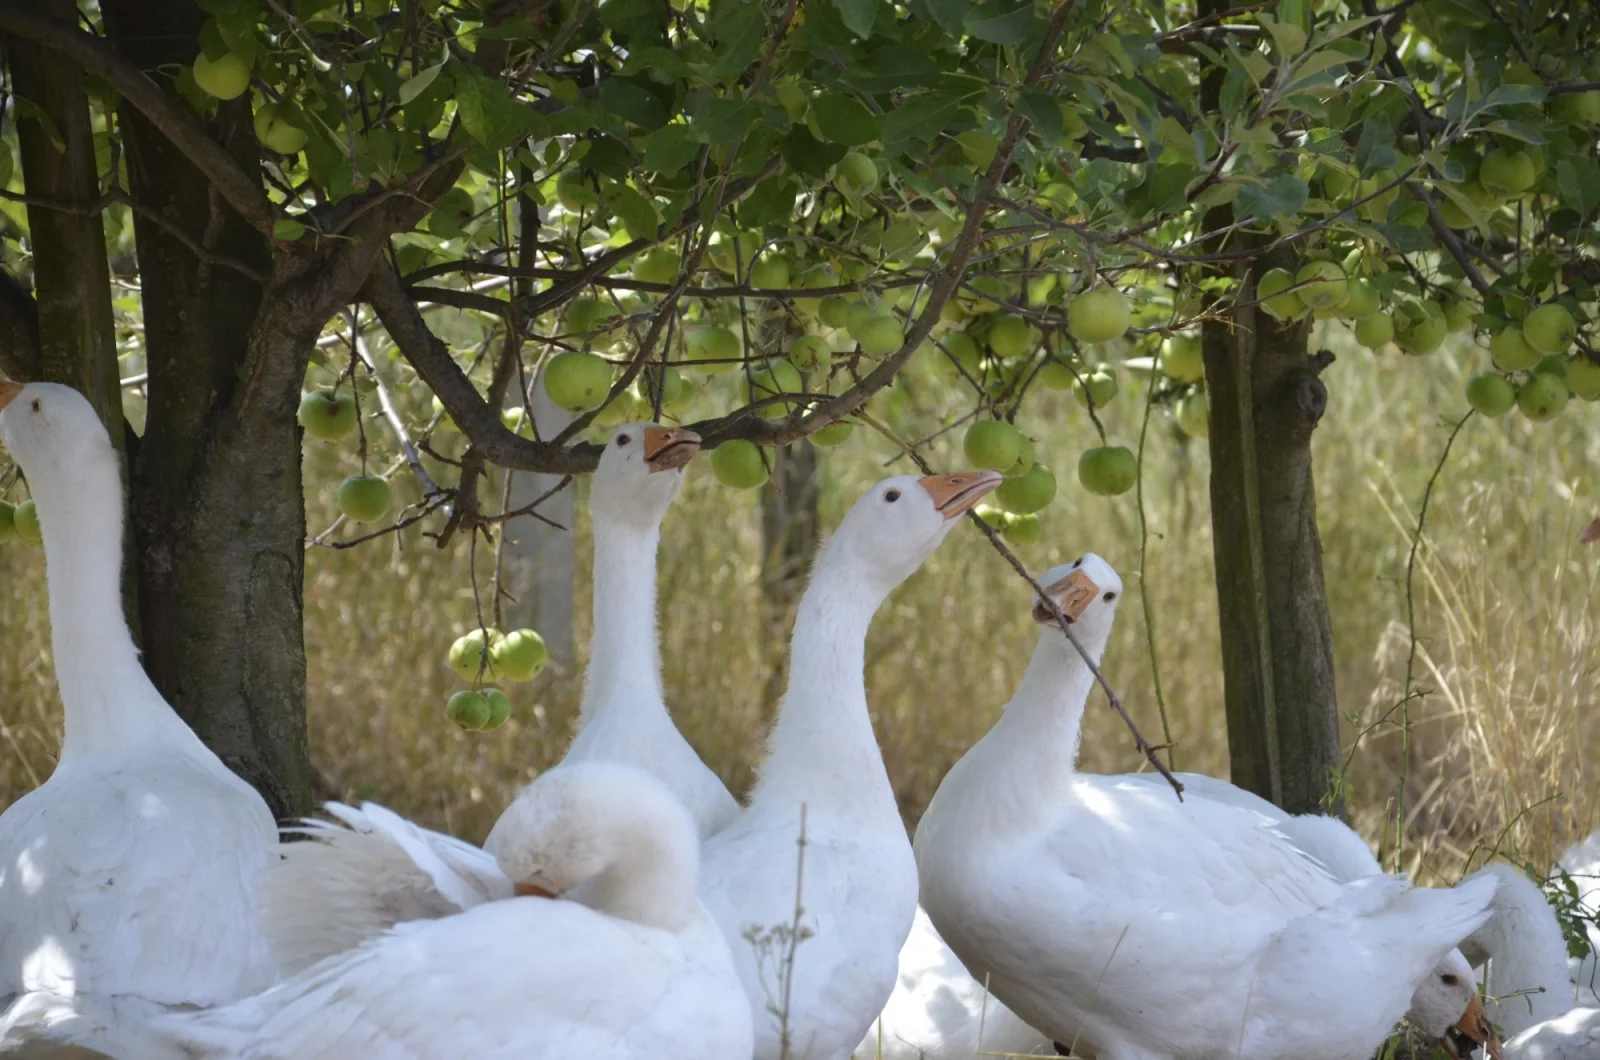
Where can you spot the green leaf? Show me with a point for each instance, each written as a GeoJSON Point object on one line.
{"type": "Point", "coordinates": [844, 120]}
{"type": "Point", "coordinates": [419, 83]}
{"type": "Point", "coordinates": [27, 109]}
{"type": "Point", "coordinates": [857, 15]}
{"type": "Point", "coordinates": [1516, 130]}
{"type": "Point", "coordinates": [634, 102]}
{"type": "Point", "coordinates": [1006, 22]}
{"type": "Point", "coordinates": [807, 155]}
{"type": "Point", "coordinates": [738, 33]}
{"type": "Point", "coordinates": [637, 213]}
{"type": "Point", "coordinates": [1375, 149]}
{"type": "Point", "coordinates": [1281, 198]}
{"type": "Point", "coordinates": [718, 120]}
{"type": "Point", "coordinates": [892, 68]}
{"type": "Point", "coordinates": [951, 15]}
{"type": "Point", "coordinates": [921, 118]}
{"type": "Point", "coordinates": [1578, 180]}
{"type": "Point", "coordinates": [1509, 95]}
{"type": "Point", "coordinates": [287, 230]}
{"type": "Point", "coordinates": [1290, 38]}
{"type": "Point", "coordinates": [1043, 110]}
{"type": "Point", "coordinates": [659, 63]}
{"type": "Point", "coordinates": [669, 149]}
{"type": "Point", "coordinates": [771, 201]}
{"type": "Point", "coordinates": [489, 115]}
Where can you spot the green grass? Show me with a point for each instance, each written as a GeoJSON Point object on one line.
{"type": "Point", "coordinates": [1502, 744]}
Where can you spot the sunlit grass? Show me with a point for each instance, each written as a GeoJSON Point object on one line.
{"type": "Point", "coordinates": [1501, 741]}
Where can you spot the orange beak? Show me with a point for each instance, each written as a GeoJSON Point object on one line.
{"type": "Point", "coordinates": [955, 494]}
{"type": "Point", "coordinates": [669, 448]}
{"type": "Point", "coordinates": [1072, 594]}
{"type": "Point", "coordinates": [1472, 1032]}
{"type": "Point", "coordinates": [8, 392]}
{"type": "Point", "coordinates": [534, 891]}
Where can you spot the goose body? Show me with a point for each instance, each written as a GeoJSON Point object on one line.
{"type": "Point", "coordinates": [1582, 862]}
{"type": "Point", "coordinates": [815, 926]}
{"type": "Point", "coordinates": [354, 882]}
{"type": "Point", "coordinates": [636, 971]}
{"type": "Point", "coordinates": [127, 878]}
{"type": "Point", "coordinates": [1110, 915]}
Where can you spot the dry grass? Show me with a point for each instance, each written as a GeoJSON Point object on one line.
{"type": "Point", "coordinates": [1500, 743]}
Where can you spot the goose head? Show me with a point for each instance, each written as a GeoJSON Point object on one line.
{"type": "Point", "coordinates": [608, 826]}
{"type": "Point", "coordinates": [1087, 591]}
{"type": "Point", "coordinates": [1446, 1006]}
{"type": "Point", "coordinates": [898, 523]}
{"type": "Point", "coordinates": [640, 473]}
{"type": "Point", "coordinates": [54, 434]}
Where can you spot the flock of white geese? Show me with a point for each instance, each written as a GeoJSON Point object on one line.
{"type": "Point", "coordinates": [626, 906]}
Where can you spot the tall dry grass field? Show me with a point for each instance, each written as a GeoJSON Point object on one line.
{"type": "Point", "coordinates": [1497, 747]}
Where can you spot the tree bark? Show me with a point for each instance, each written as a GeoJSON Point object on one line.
{"type": "Point", "coordinates": [219, 514]}
{"type": "Point", "coordinates": [791, 527]}
{"type": "Point", "coordinates": [1277, 644]}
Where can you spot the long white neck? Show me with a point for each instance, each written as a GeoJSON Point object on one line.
{"type": "Point", "coordinates": [1046, 712]}
{"type": "Point", "coordinates": [1527, 954]}
{"type": "Point", "coordinates": [624, 674]}
{"type": "Point", "coordinates": [653, 879]}
{"type": "Point", "coordinates": [823, 749]}
{"type": "Point", "coordinates": [109, 701]}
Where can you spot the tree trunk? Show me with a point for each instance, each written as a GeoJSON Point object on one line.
{"type": "Point", "coordinates": [540, 560]}
{"type": "Point", "coordinates": [791, 527]}
{"type": "Point", "coordinates": [219, 515]}
{"type": "Point", "coordinates": [1277, 644]}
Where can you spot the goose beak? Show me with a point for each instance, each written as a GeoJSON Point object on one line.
{"type": "Point", "coordinates": [955, 494]}
{"type": "Point", "coordinates": [669, 448]}
{"type": "Point", "coordinates": [1072, 594]}
{"type": "Point", "coordinates": [8, 392]}
{"type": "Point", "coordinates": [1472, 1032]}
{"type": "Point", "coordinates": [534, 890]}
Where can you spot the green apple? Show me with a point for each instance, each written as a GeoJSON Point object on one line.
{"type": "Point", "coordinates": [1010, 336]}
{"type": "Point", "coordinates": [1058, 373]}
{"type": "Point", "coordinates": [739, 464]}
{"type": "Point", "coordinates": [1420, 327]}
{"type": "Point", "coordinates": [993, 445]}
{"type": "Point", "coordinates": [1027, 493]}
{"type": "Point", "coordinates": [656, 266]}
{"type": "Point", "coordinates": [1459, 313]}
{"type": "Point", "coordinates": [834, 310]}
{"type": "Point", "coordinates": [1193, 417]}
{"type": "Point", "coordinates": [1022, 530]}
{"type": "Point", "coordinates": [1024, 462]}
{"type": "Point", "coordinates": [1322, 285]}
{"type": "Point", "coordinates": [675, 390]}
{"type": "Point", "coordinates": [1098, 315]}
{"type": "Point", "coordinates": [1276, 297]}
{"type": "Point", "coordinates": [1550, 329]}
{"type": "Point", "coordinates": [274, 131]}
{"type": "Point", "coordinates": [732, 251]}
{"type": "Point", "coordinates": [499, 709]}
{"type": "Point", "coordinates": [716, 349]}
{"type": "Point", "coordinates": [327, 414]}
{"type": "Point", "coordinates": [472, 654]}
{"type": "Point", "coordinates": [1376, 331]}
{"type": "Point", "coordinates": [1491, 394]}
{"type": "Point", "coordinates": [998, 518]}
{"type": "Point", "coordinates": [1099, 387]}
{"type": "Point", "coordinates": [1108, 470]}
{"type": "Point", "coordinates": [1543, 397]}
{"type": "Point", "coordinates": [8, 522]}
{"type": "Point", "coordinates": [470, 710]}
{"type": "Point", "coordinates": [1583, 376]}
{"type": "Point", "coordinates": [879, 333]}
{"type": "Point", "coordinates": [833, 435]}
{"type": "Point", "coordinates": [1577, 108]}
{"type": "Point", "coordinates": [364, 498]}
{"type": "Point", "coordinates": [1510, 351]}
{"type": "Point", "coordinates": [584, 315]}
{"type": "Point", "coordinates": [1363, 301]}
{"type": "Point", "coordinates": [519, 655]}
{"type": "Point", "coordinates": [791, 95]}
{"type": "Point", "coordinates": [856, 174]}
{"type": "Point", "coordinates": [960, 347]}
{"type": "Point", "coordinates": [771, 273]}
{"type": "Point", "coordinates": [577, 382]}
{"type": "Point", "coordinates": [809, 353]}
{"type": "Point", "coordinates": [771, 380]}
{"type": "Point", "coordinates": [1507, 173]}
{"type": "Point", "coordinates": [225, 78]}
{"type": "Point", "coordinates": [26, 520]}
{"type": "Point", "coordinates": [575, 192]}
{"type": "Point", "coordinates": [1182, 358]}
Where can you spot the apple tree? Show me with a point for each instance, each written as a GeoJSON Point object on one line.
{"type": "Point", "coordinates": [764, 219]}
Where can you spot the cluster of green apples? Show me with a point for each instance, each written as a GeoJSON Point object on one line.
{"type": "Point", "coordinates": [20, 523]}
{"type": "Point", "coordinates": [329, 414]}
{"type": "Point", "coordinates": [1537, 368]}
{"type": "Point", "coordinates": [489, 654]}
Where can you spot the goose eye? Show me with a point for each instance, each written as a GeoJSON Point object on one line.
{"type": "Point", "coordinates": [624, 439]}
{"type": "Point", "coordinates": [36, 404]}
{"type": "Point", "coordinates": [1449, 980]}
{"type": "Point", "coordinates": [892, 496]}
{"type": "Point", "coordinates": [1077, 563]}
{"type": "Point", "coordinates": [1108, 597]}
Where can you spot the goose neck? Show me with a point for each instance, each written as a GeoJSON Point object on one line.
{"type": "Point", "coordinates": [109, 701]}
{"type": "Point", "coordinates": [1045, 716]}
{"type": "Point", "coordinates": [1527, 954]}
{"type": "Point", "coordinates": [652, 881]}
{"type": "Point", "coordinates": [624, 661]}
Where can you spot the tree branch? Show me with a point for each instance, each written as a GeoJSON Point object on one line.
{"type": "Point", "coordinates": [242, 191]}
{"type": "Point", "coordinates": [19, 330]}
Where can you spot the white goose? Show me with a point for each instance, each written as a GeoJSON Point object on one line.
{"type": "Point", "coordinates": [1531, 994]}
{"type": "Point", "coordinates": [815, 993]}
{"type": "Point", "coordinates": [126, 879]}
{"type": "Point", "coordinates": [1114, 917]}
{"type": "Point", "coordinates": [379, 869]}
{"type": "Point", "coordinates": [637, 971]}
{"type": "Point", "coordinates": [1582, 862]}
